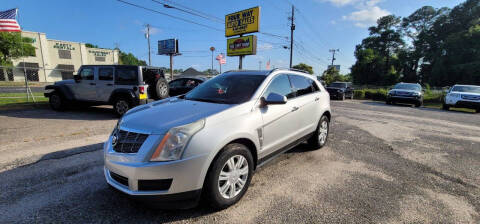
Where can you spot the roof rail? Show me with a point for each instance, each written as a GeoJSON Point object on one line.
{"type": "Point", "coordinates": [290, 69]}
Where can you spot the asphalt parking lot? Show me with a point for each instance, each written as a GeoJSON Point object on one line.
{"type": "Point", "coordinates": [382, 164]}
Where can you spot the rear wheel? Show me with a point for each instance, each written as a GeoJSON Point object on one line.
{"type": "Point", "coordinates": [121, 105]}
{"type": "Point", "coordinates": [229, 176]}
{"type": "Point", "coordinates": [320, 136]}
{"type": "Point", "coordinates": [56, 101]}
{"type": "Point", "coordinates": [161, 88]}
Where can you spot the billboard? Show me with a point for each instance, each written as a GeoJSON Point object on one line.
{"type": "Point", "coordinates": [238, 46]}
{"type": "Point", "coordinates": [169, 46]}
{"type": "Point", "coordinates": [337, 67]}
{"type": "Point", "coordinates": [245, 21]}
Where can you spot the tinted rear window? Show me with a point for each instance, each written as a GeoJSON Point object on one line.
{"type": "Point", "coordinates": [126, 76]}
{"type": "Point", "coordinates": [301, 85]}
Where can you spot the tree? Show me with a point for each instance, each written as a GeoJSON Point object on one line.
{"type": "Point", "coordinates": [129, 59]}
{"type": "Point", "coordinates": [13, 46]}
{"type": "Point", "coordinates": [304, 67]}
{"type": "Point", "coordinates": [89, 45]}
{"type": "Point", "coordinates": [333, 75]}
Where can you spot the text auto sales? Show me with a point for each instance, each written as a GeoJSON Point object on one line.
{"type": "Point", "coordinates": [240, 21]}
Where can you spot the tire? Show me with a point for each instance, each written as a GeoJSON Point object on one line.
{"type": "Point", "coordinates": [388, 102]}
{"type": "Point", "coordinates": [212, 187]}
{"type": "Point", "coordinates": [342, 98]}
{"type": "Point", "coordinates": [323, 128]}
{"type": "Point", "coordinates": [445, 107]}
{"type": "Point", "coordinates": [419, 104]}
{"type": "Point", "coordinates": [121, 105]}
{"type": "Point", "coordinates": [477, 110]}
{"type": "Point", "coordinates": [161, 89]}
{"type": "Point", "coordinates": [57, 102]}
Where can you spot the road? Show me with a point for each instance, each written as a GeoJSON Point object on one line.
{"type": "Point", "coordinates": [382, 164]}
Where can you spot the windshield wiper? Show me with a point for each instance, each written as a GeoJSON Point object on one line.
{"type": "Point", "coordinates": [208, 100]}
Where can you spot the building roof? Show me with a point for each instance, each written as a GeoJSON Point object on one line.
{"type": "Point", "coordinates": [192, 72]}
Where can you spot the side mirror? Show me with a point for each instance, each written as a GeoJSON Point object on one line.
{"type": "Point", "coordinates": [77, 78]}
{"type": "Point", "coordinates": [273, 98]}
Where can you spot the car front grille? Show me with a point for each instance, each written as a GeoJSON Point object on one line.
{"type": "Point", "coordinates": [120, 179]}
{"type": "Point", "coordinates": [128, 142]}
{"type": "Point", "coordinates": [470, 97]}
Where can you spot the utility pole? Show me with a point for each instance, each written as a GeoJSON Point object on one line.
{"type": "Point", "coordinates": [147, 35]}
{"type": "Point", "coordinates": [292, 28]}
{"type": "Point", "coordinates": [333, 51]}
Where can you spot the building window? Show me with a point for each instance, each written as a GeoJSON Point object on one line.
{"type": "Point", "coordinates": [66, 71]}
{"type": "Point", "coordinates": [64, 54]}
{"type": "Point", "coordinates": [100, 59]}
{"type": "Point", "coordinates": [31, 70]}
{"type": "Point", "coordinates": [6, 74]}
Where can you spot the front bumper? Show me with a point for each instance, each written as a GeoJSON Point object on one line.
{"type": "Point", "coordinates": [466, 104]}
{"type": "Point", "coordinates": [134, 175]}
{"type": "Point", "coordinates": [405, 99]}
{"type": "Point", "coordinates": [335, 94]}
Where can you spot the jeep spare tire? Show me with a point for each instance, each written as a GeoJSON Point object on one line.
{"type": "Point", "coordinates": [161, 88]}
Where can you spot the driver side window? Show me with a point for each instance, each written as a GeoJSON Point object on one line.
{"type": "Point", "coordinates": [280, 85]}
{"type": "Point", "coordinates": [86, 74]}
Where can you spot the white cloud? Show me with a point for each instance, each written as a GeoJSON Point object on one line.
{"type": "Point", "coordinates": [265, 47]}
{"type": "Point", "coordinates": [153, 30]}
{"type": "Point", "coordinates": [341, 3]}
{"type": "Point", "coordinates": [366, 17]}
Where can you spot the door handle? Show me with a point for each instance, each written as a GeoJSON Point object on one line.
{"type": "Point", "coordinates": [92, 84]}
{"type": "Point", "coordinates": [317, 98]}
{"type": "Point", "coordinates": [294, 108]}
{"type": "Point", "coordinates": [109, 84]}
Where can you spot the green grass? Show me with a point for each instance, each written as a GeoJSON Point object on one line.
{"type": "Point", "coordinates": [439, 106]}
{"type": "Point", "coordinates": [21, 102]}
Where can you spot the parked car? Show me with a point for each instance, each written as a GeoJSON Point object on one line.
{"type": "Point", "coordinates": [122, 86]}
{"type": "Point", "coordinates": [409, 93]}
{"type": "Point", "coordinates": [340, 90]}
{"type": "Point", "coordinates": [466, 96]}
{"type": "Point", "coordinates": [184, 85]}
{"type": "Point", "coordinates": [209, 142]}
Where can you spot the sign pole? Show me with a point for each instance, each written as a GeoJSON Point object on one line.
{"type": "Point", "coordinates": [171, 67]}
{"type": "Point", "coordinates": [240, 59]}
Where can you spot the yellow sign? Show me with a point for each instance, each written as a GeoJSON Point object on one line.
{"type": "Point", "coordinates": [246, 45]}
{"type": "Point", "coordinates": [245, 21]}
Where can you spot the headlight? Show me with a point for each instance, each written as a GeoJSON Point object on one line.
{"type": "Point", "coordinates": [416, 93]}
{"type": "Point", "coordinates": [173, 143]}
{"type": "Point", "coordinates": [454, 95]}
{"type": "Point", "coordinates": [340, 90]}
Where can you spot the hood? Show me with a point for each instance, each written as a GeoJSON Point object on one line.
{"type": "Point", "coordinates": [334, 88]}
{"type": "Point", "coordinates": [404, 91]}
{"type": "Point", "coordinates": [158, 117]}
{"type": "Point", "coordinates": [466, 93]}
{"type": "Point", "coordinates": [63, 82]}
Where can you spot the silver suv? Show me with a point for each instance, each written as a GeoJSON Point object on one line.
{"type": "Point", "coordinates": [209, 142]}
{"type": "Point", "coordinates": [123, 86]}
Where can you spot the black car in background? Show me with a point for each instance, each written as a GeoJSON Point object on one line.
{"type": "Point", "coordinates": [408, 93]}
{"type": "Point", "coordinates": [184, 85]}
{"type": "Point", "coordinates": [340, 90]}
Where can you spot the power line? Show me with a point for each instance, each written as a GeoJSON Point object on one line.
{"type": "Point", "coordinates": [197, 11]}
{"type": "Point", "coordinates": [189, 11]}
{"type": "Point", "coordinates": [165, 14]}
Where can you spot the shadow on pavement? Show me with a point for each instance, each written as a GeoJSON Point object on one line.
{"type": "Point", "coordinates": [78, 113]}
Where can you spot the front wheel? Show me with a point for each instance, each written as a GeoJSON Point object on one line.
{"type": "Point", "coordinates": [445, 107]}
{"type": "Point", "coordinates": [419, 104]}
{"type": "Point", "coordinates": [229, 176]}
{"type": "Point", "coordinates": [56, 101]}
{"type": "Point", "coordinates": [320, 136]}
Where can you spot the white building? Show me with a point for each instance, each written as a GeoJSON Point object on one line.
{"type": "Point", "coordinates": [56, 60]}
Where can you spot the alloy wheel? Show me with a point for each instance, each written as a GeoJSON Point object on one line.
{"type": "Point", "coordinates": [233, 176]}
{"type": "Point", "coordinates": [323, 132]}
{"type": "Point", "coordinates": [55, 101]}
{"type": "Point", "coordinates": [121, 106]}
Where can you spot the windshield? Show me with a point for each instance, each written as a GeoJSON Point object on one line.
{"type": "Point", "coordinates": [338, 85]}
{"type": "Point", "coordinates": [468, 89]}
{"type": "Point", "coordinates": [408, 86]}
{"type": "Point", "coordinates": [227, 89]}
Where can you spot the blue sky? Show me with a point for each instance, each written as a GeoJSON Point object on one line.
{"type": "Point", "coordinates": [320, 25]}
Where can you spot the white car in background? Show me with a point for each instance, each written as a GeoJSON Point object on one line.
{"type": "Point", "coordinates": [465, 96]}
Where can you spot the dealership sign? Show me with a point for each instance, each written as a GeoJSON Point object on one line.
{"type": "Point", "coordinates": [238, 46]}
{"type": "Point", "coordinates": [245, 21]}
{"type": "Point", "coordinates": [63, 46]}
{"type": "Point", "coordinates": [169, 46]}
